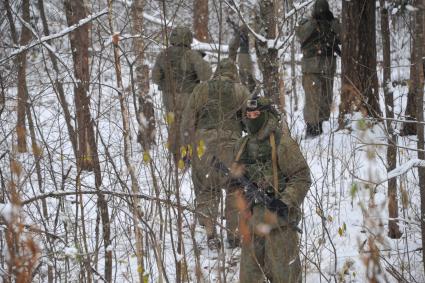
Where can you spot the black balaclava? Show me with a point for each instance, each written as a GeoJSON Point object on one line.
{"type": "Point", "coordinates": [254, 125]}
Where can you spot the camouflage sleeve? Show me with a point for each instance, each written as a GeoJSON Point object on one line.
{"type": "Point", "coordinates": [336, 28]}
{"type": "Point", "coordinates": [294, 166]}
{"type": "Point", "coordinates": [233, 47]}
{"type": "Point", "coordinates": [157, 73]}
{"type": "Point", "coordinates": [201, 67]}
{"type": "Point", "coordinates": [304, 29]}
{"type": "Point", "coordinates": [189, 116]}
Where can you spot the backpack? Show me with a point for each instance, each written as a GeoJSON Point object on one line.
{"type": "Point", "coordinates": [323, 41]}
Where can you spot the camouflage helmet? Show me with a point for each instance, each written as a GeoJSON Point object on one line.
{"type": "Point", "coordinates": [259, 103]}
{"type": "Point", "coordinates": [181, 36]}
{"type": "Point", "coordinates": [228, 68]}
{"type": "Point", "coordinates": [320, 7]}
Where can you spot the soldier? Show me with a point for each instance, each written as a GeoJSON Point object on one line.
{"type": "Point", "coordinates": [243, 58]}
{"type": "Point", "coordinates": [319, 36]}
{"type": "Point", "coordinates": [274, 163]}
{"type": "Point", "coordinates": [177, 71]}
{"type": "Point", "coordinates": [214, 113]}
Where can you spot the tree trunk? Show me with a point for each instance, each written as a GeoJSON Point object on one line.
{"type": "Point", "coordinates": [419, 94]}
{"type": "Point", "coordinates": [200, 20]}
{"type": "Point", "coordinates": [146, 114]}
{"type": "Point", "coordinates": [79, 39]}
{"type": "Point", "coordinates": [409, 127]}
{"type": "Point", "coordinates": [22, 82]}
{"type": "Point", "coordinates": [88, 158]}
{"type": "Point", "coordinates": [393, 228]}
{"type": "Point", "coordinates": [359, 83]}
{"type": "Point", "coordinates": [268, 56]}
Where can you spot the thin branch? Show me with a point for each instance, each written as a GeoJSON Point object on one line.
{"type": "Point", "coordinates": [57, 194]}
{"type": "Point", "coordinates": [56, 35]}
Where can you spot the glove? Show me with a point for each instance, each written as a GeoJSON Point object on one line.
{"type": "Point", "coordinates": [186, 157]}
{"type": "Point", "coordinates": [202, 53]}
{"type": "Point", "coordinates": [279, 207]}
{"type": "Point", "coordinates": [244, 42]}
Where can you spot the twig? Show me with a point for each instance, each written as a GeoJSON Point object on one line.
{"type": "Point", "coordinates": [56, 35]}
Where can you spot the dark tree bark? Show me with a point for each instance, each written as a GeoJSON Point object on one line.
{"type": "Point", "coordinates": [88, 158]}
{"type": "Point", "coordinates": [418, 32]}
{"type": "Point", "coordinates": [393, 228]}
{"type": "Point", "coordinates": [22, 80]}
{"type": "Point", "coordinates": [200, 20]}
{"type": "Point", "coordinates": [409, 127]}
{"type": "Point", "coordinates": [79, 39]}
{"type": "Point", "coordinates": [359, 78]}
{"type": "Point", "coordinates": [268, 56]}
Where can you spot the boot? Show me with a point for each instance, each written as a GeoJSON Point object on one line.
{"type": "Point", "coordinates": [314, 130]}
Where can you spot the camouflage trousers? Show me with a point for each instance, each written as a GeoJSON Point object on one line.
{"type": "Point", "coordinates": [271, 253]}
{"type": "Point", "coordinates": [318, 89]}
{"type": "Point", "coordinates": [208, 183]}
{"type": "Point", "coordinates": [174, 105]}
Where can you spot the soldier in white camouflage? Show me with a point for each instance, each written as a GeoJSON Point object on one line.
{"type": "Point", "coordinates": [212, 123]}
{"type": "Point", "coordinates": [273, 162]}
{"type": "Point", "coordinates": [177, 70]}
{"type": "Point", "coordinates": [319, 36]}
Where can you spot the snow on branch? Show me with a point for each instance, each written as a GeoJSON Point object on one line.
{"type": "Point", "coordinates": [271, 43]}
{"type": "Point", "coordinates": [154, 19]}
{"type": "Point", "coordinates": [56, 35]}
{"type": "Point", "coordinates": [404, 168]}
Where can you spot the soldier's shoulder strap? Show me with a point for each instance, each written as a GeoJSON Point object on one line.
{"type": "Point", "coordinates": [274, 162]}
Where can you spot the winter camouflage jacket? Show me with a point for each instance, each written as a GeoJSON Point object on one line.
{"type": "Point", "coordinates": [216, 104]}
{"type": "Point", "coordinates": [254, 153]}
{"type": "Point", "coordinates": [319, 36]}
{"type": "Point", "coordinates": [178, 69]}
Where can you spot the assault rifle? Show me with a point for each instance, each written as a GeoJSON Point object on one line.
{"type": "Point", "coordinates": [254, 195]}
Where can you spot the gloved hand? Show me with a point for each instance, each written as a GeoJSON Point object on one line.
{"type": "Point", "coordinates": [279, 207]}
{"type": "Point", "coordinates": [186, 157]}
{"type": "Point", "coordinates": [243, 42]}
{"type": "Point", "coordinates": [202, 53]}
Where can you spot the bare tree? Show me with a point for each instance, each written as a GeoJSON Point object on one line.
{"type": "Point", "coordinates": [394, 230]}
{"type": "Point", "coordinates": [409, 127]}
{"type": "Point", "coordinates": [417, 61]}
{"type": "Point", "coordinates": [200, 20]}
{"type": "Point", "coordinates": [358, 62]}
{"type": "Point", "coordinates": [22, 76]}
{"type": "Point", "coordinates": [79, 39]}
{"type": "Point", "coordinates": [88, 158]}
{"type": "Point", "coordinates": [268, 60]}
{"type": "Point", "coordinates": [146, 114]}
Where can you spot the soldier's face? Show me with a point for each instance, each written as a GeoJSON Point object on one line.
{"type": "Point", "coordinates": [253, 114]}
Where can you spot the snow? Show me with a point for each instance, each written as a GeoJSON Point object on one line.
{"type": "Point", "coordinates": [8, 211]}
{"type": "Point", "coordinates": [345, 208]}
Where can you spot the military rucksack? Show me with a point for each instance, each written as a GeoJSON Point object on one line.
{"type": "Point", "coordinates": [219, 110]}
{"type": "Point", "coordinates": [323, 41]}
{"type": "Point", "coordinates": [179, 75]}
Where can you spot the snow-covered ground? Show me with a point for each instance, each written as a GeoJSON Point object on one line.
{"type": "Point", "coordinates": [345, 220]}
